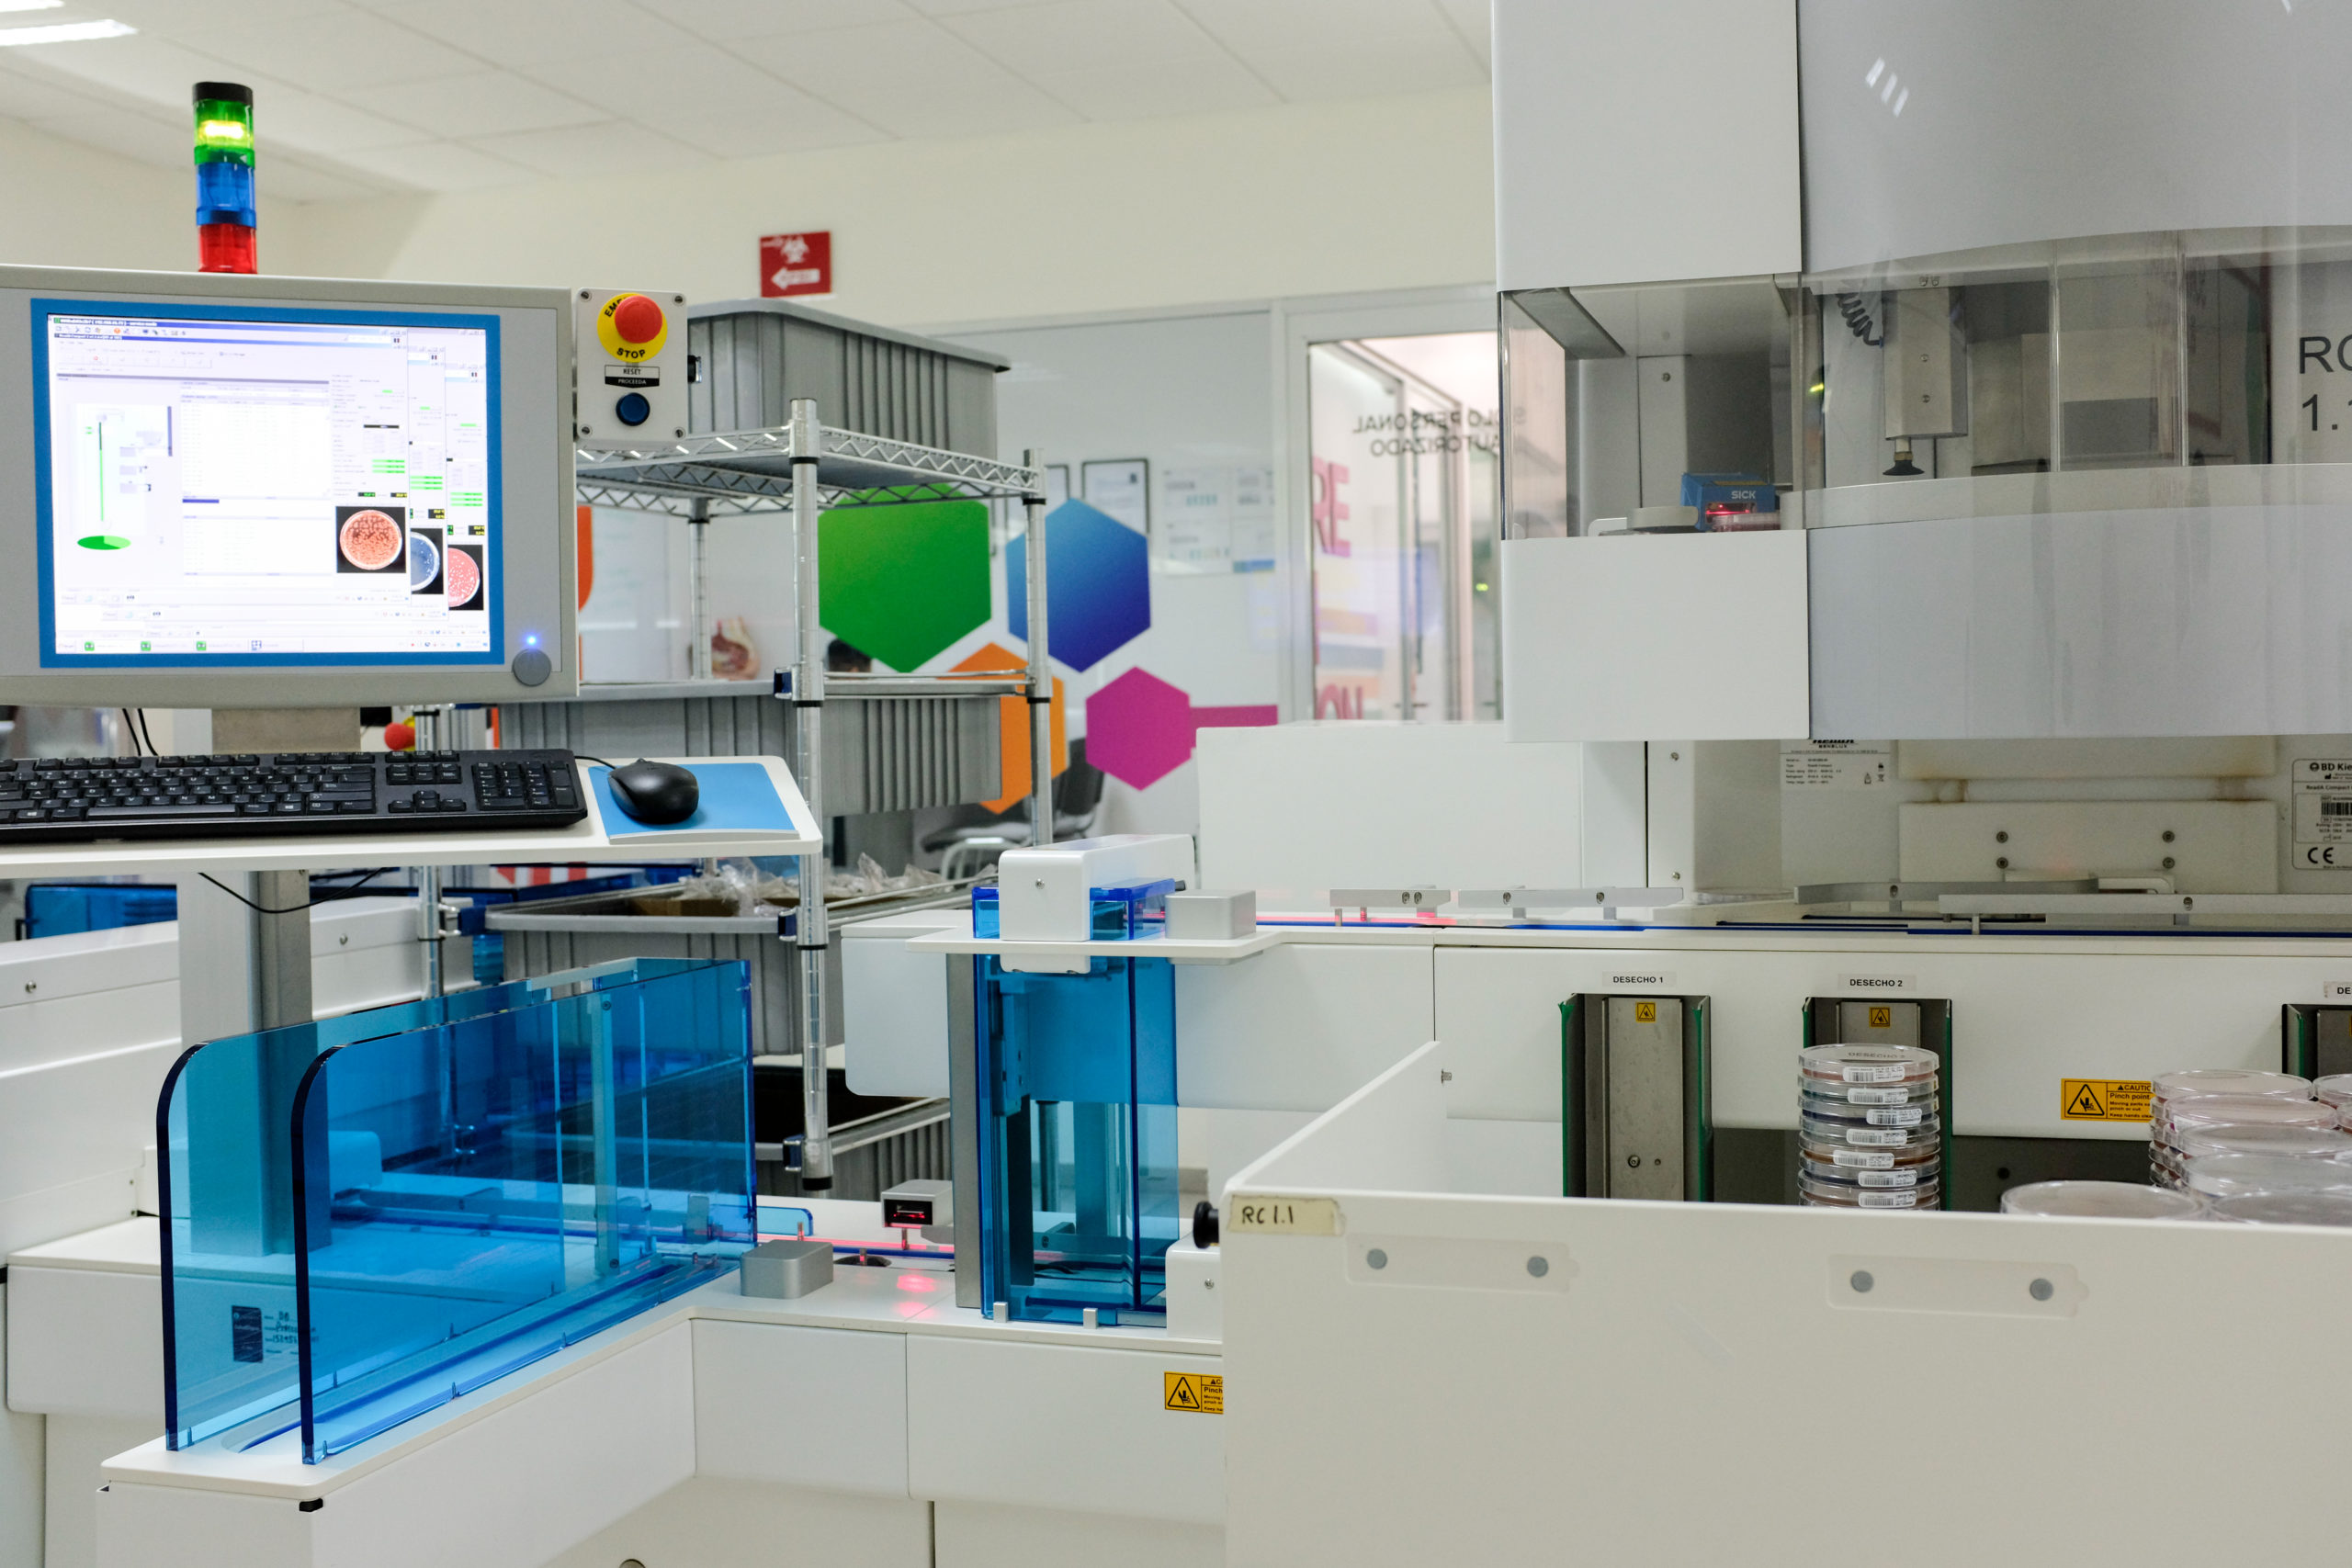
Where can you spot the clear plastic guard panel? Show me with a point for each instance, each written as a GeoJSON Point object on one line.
{"type": "Point", "coordinates": [1079, 1157]}
{"type": "Point", "coordinates": [227, 1199]}
{"type": "Point", "coordinates": [378, 1213]}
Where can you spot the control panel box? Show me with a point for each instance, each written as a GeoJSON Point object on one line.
{"type": "Point", "coordinates": [630, 369]}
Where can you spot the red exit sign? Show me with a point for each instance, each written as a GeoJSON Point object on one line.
{"type": "Point", "coordinates": [797, 264]}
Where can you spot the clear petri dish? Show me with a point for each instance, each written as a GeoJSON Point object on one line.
{"type": "Point", "coordinates": [1918, 1091]}
{"type": "Point", "coordinates": [2198, 1082]}
{"type": "Point", "coordinates": [2336, 1088]}
{"type": "Point", "coordinates": [2240, 1176]}
{"type": "Point", "coordinates": [2100, 1200]}
{"type": "Point", "coordinates": [1820, 1195]}
{"type": "Point", "coordinates": [2296, 1143]}
{"type": "Point", "coordinates": [1844, 1156]}
{"type": "Point", "coordinates": [1861, 1135]}
{"type": "Point", "coordinates": [1869, 1115]}
{"type": "Point", "coordinates": [1867, 1063]}
{"type": "Point", "coordinates": [2244, 1111]}
{"type": "Point", "coordinates": [2285, 1209]}
{"type": "Point", "coordinates": [1866, 1176]}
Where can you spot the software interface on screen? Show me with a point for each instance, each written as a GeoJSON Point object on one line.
{"type": "Point", "coordinates": [300, 490]}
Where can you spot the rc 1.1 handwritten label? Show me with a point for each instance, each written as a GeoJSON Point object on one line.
{"type": "Point", "coordinates": [1265, 1215]}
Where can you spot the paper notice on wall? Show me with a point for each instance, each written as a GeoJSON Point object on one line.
{"type": "Point", "coordinates": [1215, 517]}
{"type": "Point", "coordinates": [1836, 764]}
{"type": "Point", "coordinates": [1196, 520]}
{"type": "Point", "coordinates": [2323, 813]}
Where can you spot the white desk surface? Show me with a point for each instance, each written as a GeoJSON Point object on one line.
{"type": "Point", "coordinates": [587, 841]}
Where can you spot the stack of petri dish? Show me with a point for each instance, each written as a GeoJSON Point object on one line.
{"type": "Point", "coordinates": [2213, 1177]}
{"type": "Point", "coordinates": [1870, 1127]}
{"type": "Point", "coordinates": [2187, 1123]}
{"type": "Point", "coordinates": [2102, 1200]}
{"type": "Point", "coordinates": [2285, 1209]}
{"type": "Point", "coordinates": [2335, 1089]}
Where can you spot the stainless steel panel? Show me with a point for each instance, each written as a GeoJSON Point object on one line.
{"type": "Point", "coordinates": [1645, 1107]}
{"type": "Point", "coordinates": [2332, 1042]}
{"type": "Point", "coordinates": [1877, 1024]}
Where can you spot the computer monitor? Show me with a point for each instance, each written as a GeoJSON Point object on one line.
{"type": "Point", "coordinates": [227, 491]}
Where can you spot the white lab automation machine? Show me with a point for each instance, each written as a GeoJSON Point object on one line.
{"type": "Point", "coordinates": [1923, 633]}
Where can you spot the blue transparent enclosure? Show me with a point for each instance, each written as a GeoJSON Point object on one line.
{"type": "Point", "coordinates": [372, 1215]}
{"type": "Point", "coordinates": [1078, 1137]}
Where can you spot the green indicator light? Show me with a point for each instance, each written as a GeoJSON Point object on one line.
{"type": "Point", "coordinates": [224, 131]}
{"type": "Point", "coordinates": [104, 542]}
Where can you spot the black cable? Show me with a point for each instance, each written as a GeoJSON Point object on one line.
{"type": "Point", "coordinates": [329, 897]}
{"type": "Point", "coordinates": [1857, 319]}
{"type": "Point", "coordinates": [598, 761]}
{"type": "Point", "coordinates": [146, 734]}
{"type": "Point", "coordinates": [131, 729]}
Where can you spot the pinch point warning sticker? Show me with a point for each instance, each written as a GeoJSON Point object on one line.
{"type": "Point", "coordinates": [1197, 1392]}
{"type": "Point", "coordinates": [2103, 1099]}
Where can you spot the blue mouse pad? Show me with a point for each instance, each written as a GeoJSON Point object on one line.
{"type": "Point", "coordinates": [736, 797]}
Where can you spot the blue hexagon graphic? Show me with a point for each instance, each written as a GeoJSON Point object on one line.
{"type": "Point", "coordinates": [1098, 584]}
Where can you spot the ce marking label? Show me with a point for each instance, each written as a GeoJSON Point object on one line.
{"type": "Point", "coordinates": [2324, 855]}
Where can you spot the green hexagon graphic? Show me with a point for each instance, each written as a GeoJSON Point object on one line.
{"type": "Point", "coordinates": [902, 583]}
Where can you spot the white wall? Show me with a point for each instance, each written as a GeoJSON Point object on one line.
{"type": "Point", "coordinates": [1306, 198]}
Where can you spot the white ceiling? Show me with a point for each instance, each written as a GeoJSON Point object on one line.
{"type": "Point", "coordinates": [359, 96]}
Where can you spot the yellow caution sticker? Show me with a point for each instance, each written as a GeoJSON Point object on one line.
{"type": "Point", "coordinates": [1882, 1018]}
{"type": "Point", "coordinates": [1645, 1012]}
{"type": "Point", "coordinates": [1197, 1392]}
{"type": "Point", "coordinates": [2103, 1099]}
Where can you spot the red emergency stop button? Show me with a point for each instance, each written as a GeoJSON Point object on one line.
{"type": "Point", "coordinates": [632, 328]}
{"type": "Point", "coordinates": [637, 319]}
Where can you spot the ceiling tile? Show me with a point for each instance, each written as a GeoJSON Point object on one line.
{"type": "Point", "coordinates": [609, 148]}
{"type": "Point", "coordinates": [1367, 72]}
{"type": "Point", "coordinates": [350, 50]}
{"type": "Point", "coordinates": [153, 70]}
{"type": "Point", "coordinates": [26, 96]}
{"type": "Point", "coordinates": [724, 21]}
{"type": "Point", "coordinates": [1474, 19]}
{"type": "Point", "coordinates": [1085, 35]}
{"type": "Point", "coordinates": [191, 19]}
{"type": "Point", "coordinates": [487, 103]}
{"type": "Point", "coordinates": [314, 124]}
{"type": "Point", "coordinates": [910, 78]}
{"type": "Point", "coordinates": [697, 74]}
{"type": "Point", "coordinates": [439, 167]}
{"type": "Point", "coordinates": [128, 135]}
{"type": "Point", "coordinates": [728, 130]}
{"type": "Point", "coordinates": [1172, 87]}
{"type": "Point", "coordinates": [1252, 27]}
{"type": "Point", "coordinates": [962, 7]}
{"type": "Point", "coordinates": [515, 34]}
{"type": "Point", "coordinates": [286, 179]}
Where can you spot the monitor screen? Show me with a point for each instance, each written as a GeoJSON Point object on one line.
{"type": "Point", "coordinates": [225, 485]}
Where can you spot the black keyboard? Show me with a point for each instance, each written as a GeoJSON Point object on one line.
{"type": "Point", "coordinates": [82, 798]}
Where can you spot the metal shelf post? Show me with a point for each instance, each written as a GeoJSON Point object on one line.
{"type": "Point", "coordinates": [1041, 673]}
{"type": "Point", "coordinates": [809, 752]}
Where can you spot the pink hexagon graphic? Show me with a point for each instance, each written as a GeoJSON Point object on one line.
{"type": "Point", "coordinates": [1140, 728]}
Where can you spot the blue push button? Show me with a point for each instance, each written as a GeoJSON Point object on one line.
{"type": "Point", "coordinates": [632, 409]}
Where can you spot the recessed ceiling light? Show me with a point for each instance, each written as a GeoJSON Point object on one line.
{"type": "Point", "coordinates": [63, 32]}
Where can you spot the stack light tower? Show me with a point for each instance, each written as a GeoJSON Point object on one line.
{"type": "Point", "coordinates": [225, 217]}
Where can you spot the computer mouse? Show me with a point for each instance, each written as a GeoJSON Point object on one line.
{"type": "Point", "coordinates": [656, 794]}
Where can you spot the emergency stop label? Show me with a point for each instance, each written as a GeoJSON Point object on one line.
{"type": "Point", "coordinates": [2323, 813]}
{"type": "Point", "coordinates": [1197, 1392]}
{"type": "Point", "coordinates": [2103, 1099]}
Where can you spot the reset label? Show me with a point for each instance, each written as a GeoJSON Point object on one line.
{"type": "Point", "coordinates": [2103, 1099]}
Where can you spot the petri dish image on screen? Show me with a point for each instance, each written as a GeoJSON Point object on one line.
{"type": "Point", "coordinates": [461, 565]}
{"type": "Point", "coordinates": [370, 538]}
{"type": "Point", "coordinates": [424, 563]}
